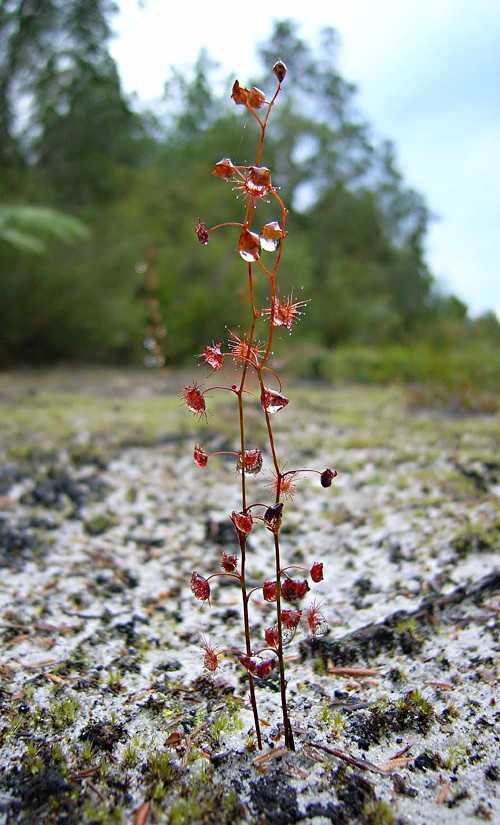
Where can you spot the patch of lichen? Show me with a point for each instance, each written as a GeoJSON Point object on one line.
{"type": "Point", "coordinates": [363, 645]}
{"type": "Point", "coordinates": [377, 812]}
{"type": "Point", "coordinates": [356, 800]}
{"type": "Point", "coordinates": [203, 797]}
{"type": "Point", "coordinates": [477, 537]}
{"type": "Point", "coordinates": [39, 777]}
{"type": "Point", "coordinates": [409, 635]}
{"type": "Point", "coordinates": [386, 718]}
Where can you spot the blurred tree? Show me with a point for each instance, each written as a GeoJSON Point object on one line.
{"type": "Point", "coordinates": [486, 327]}
{"type": "Point", "coordinates": [62, 112]}
{"type": "Point", "coordinates": [71, 140]}
{"type": "Point", "coordinates": [26, 30]}
{"type": "Point", "coordinates": [83, 133]}
{"type": "Point", "coordinates": [319, 137]}
{"type": "Point", "coordinates": [193, 102]}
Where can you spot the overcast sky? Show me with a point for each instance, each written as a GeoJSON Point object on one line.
{"type": "Point", "coordinates": [428, 78]}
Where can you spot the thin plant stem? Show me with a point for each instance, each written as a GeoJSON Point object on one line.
{"type": "Point", "coordinates": [241, 537]}
{"type": "Point", "coordinates": [289, 742]}
{"type": "Point", "coordinates": [253, 357]}
{"type": "Point", "coordinates": [287, 728]}
{"type": "Point", "coordinates": [248, 641]}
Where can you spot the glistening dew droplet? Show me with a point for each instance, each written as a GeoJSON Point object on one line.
{"type": "Point", "coordinates": [268, 245]}
{"type": "Point", "coordinates": [318, 624]}
{"type": "Point", "coordinates": [270, 236]}
{"type": "Point", "coordinates": [272, 635]}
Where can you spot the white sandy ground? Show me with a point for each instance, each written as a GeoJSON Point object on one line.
{"type": "Point", "coordinates": [386, 533]}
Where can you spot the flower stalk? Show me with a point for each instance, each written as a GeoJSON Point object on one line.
{"type": "Point", "coordinates": [253, 357]}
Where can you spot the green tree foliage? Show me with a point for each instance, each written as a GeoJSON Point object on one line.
{"type": "Point", "coordinates": [25, 30]}
{"type": "Point", "coordinates": [26, 227]}
{"type": "Point", "coordinates": [71, 141]}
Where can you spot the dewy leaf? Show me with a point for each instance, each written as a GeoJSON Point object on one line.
{"type": "Point", "coordinates": [258, 667]}
{"type": "Point", "coordinates": [258, 181]}
{"type": "Point", "coordinates": [239, 94]}
{"type": "Point", "coordinates": [224, 168]}
{"type": "Point", "coordinates": [249, 245]}
{"type": "Point", "coordinates": [213, 356]}
{"type": "Point", "coordinates": [293, 590]}
{"type": "Point", "coordinates": [200, 455]}
{"type": "Point", "coordinates": [256, 98]}
{"type": "Point", "coordinates": [200, 587]}
{"type": "Point", "coordinates": [253, 462]}
{"type": "Point", "coordinates": [194, 399]}
{"type": "Point", "coordinates": [273, 401]}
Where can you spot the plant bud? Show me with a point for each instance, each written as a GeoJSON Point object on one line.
{"type": "Point", "coordinates": [279, 70]}
{"type": "Point", "coordinates": [327, 477]}
{"type": "Point", "coordinates": [317, 572]}
{"type": "Point", "coordinates": [273, 516]}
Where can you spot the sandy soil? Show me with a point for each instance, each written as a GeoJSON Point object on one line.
{"type": "Point", "coordinates": [107, 713]}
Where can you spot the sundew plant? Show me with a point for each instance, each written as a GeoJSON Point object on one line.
{"type": "Point", "coordinates": [258, 384]}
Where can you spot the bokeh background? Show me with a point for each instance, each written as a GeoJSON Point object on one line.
{"type": "Point", "coordinates": [113, 115]}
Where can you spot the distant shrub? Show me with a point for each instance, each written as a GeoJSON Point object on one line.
{"type": "Point", "coordinates": [464, 379]}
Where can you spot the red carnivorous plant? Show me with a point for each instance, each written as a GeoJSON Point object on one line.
{"type": "Point", "coordinates": [256, 245]}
